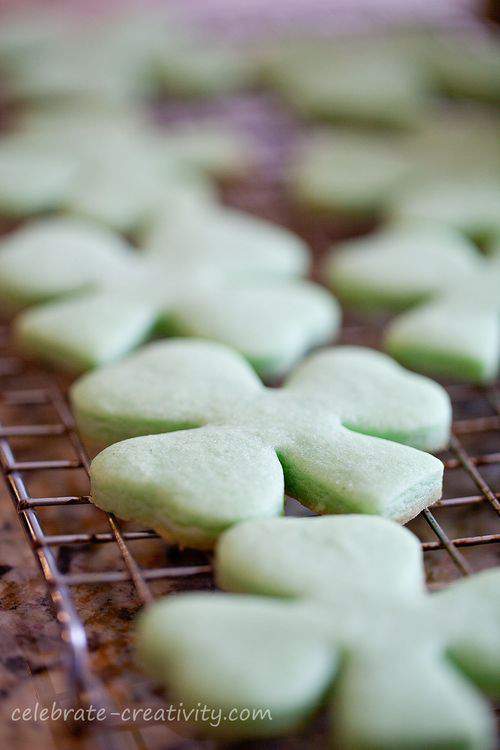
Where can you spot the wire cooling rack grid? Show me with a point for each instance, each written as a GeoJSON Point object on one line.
{"type": "Point", "coordinates": [31, 395]}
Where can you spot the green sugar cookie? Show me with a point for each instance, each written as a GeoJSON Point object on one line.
{"type": "Point", "coordinates": [325, 425]}
{"type": "Point", "coordinates": [353, 79]}
{"type": "Point", "coordinates": [211, 148]}
{"type": "Point", "coordinates": [454, 329]}
{"type": "Point", "coordinates": [272, 324]}
{"type": "Point", "coordinates": [32, 181]}
{"type": "Point", "coordinates": [111, 165]}
{"type": "Point", "coordinates": [60, 56]}
{"type": "Point", "coordinates": [366, 634]}
{"type": "Point", "coordinates": [468, 67]}
{"type": "Point", "coordinates": [28, 33]}
{"type": "Point", "coordinates": [90, 73]}
{"type": "Point", "coordinates": [279, 679]}
{"type": "Point", "coordinates": [208, 147]}
{"type": "Point", "coordinates": [50, 258]}
{"type": "Point", "coordinates": [198, 67]}
{"type": "Point", "coordinates": [457, 335]}
{"type": "Point", "coordinates": [207, 380]}
{"type": "Point", "coordinates": [348, 173]}
{"type": "Point", "coordinates": [99, 170]}
{"type": "Point", "coordinates": [364, 386]}
{"type": "Point", "coordinates": [457, 143]}
{"type": "Point", "coordinates": [469, 205]}
{"type": "Point", "coordinates": [288, 558]}
{"type": "Point", "coordinates": [125, 55]}
{"type": "Point", "coordinates": [448, 341]}
{"type": "Point", "coordinates": [106, 193]}
{"type": "Point", "coordinates": [235, 240]}
{"type": "Point", "coordinates": [238, 475]}
{"type": "Point", "coordinates": [128, 176]}
{"type": "Point", "coordinates": [451, 161]}
{"type": "Point", "coordinates": [76, 334]}
{"type": "Point", "coordinates": [400, 265]}
{"type": "Point", "coordinates": [367, 390]}
{"type": "Point", "coordinates": [241, 287]}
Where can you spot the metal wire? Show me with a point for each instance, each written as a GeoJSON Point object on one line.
{"type": "Point", "coordinates": [84, 685]}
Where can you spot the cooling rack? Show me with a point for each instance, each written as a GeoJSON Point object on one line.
{"type": "Point", "coordinates": [32, 395]}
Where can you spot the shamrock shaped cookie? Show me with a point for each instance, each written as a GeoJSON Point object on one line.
{"type": "Point", "coordinates": [116, 169]}
{"type": "Point", "coordinates": [458, 143]}
{"type": "Point", "coordinates": [348, 173]}
{"type": "Point", "coordinates": [231, 277]}
{"type": "Point", "coordinates": [357, 78]}
{"type": "Point", "coordinates": [200, 67]}
{"type": "Point", "coordinates": [457, 334]}
{"type": "Point", "coordinates": [469, 205]}
{"type": "Point", "coordinates": [445, 170]}
{"type": "Point", "coordinates": [454, 328]}
{"type": "Point", "coordinates": [236, 446]}
{"type": "Point", "coordinates": [468, 66]}
{"type": "Point", "coordinates": [27, 33]}
{"type": "Point", "coordinates": [334, 612]}
{"type": "Point", "coordinates": [124, 55]}
{"type": "Point", "coordinates": [53, 258]}
{"type": "Point", "coordinates": [400, 265]}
